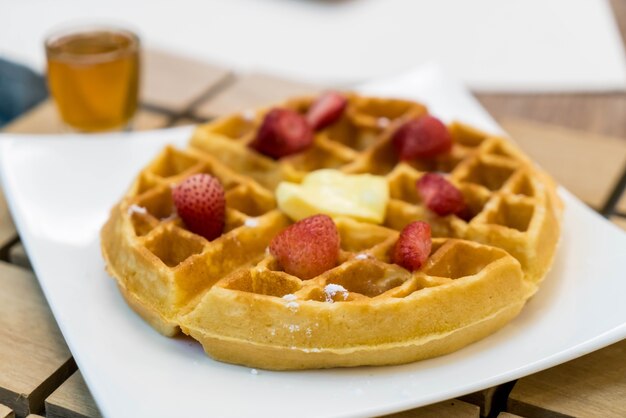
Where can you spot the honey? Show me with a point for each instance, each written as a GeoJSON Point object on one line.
{"type": "Point", "coordinates": [93, 76]}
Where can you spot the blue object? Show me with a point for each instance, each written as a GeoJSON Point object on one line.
{"type": "Point", "coordinates": [20, 89]}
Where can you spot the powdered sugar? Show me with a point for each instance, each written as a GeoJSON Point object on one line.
{"type": "Point", "coordinates": [362, 256]}
{"type": "Point", "coordinates": [330, 290]}
{"type": "Point", "coordinates": [248, 115]}
{"type": "Point", "coordinates": [291, 302]}
{"type": "Point", "coordinates": [254, 371]}
{"type": "Point", "coordinates": [293, 306]}
{"type": "Point", "coordinates": [132, 209]}
{"type": "Point", "coordinates": [251, 222]}
{"type": "Point", "coordinates": [171, 216]}
{"type": "Point", "coordinates": [382, 122]}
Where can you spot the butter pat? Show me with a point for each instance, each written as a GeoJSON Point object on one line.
{"type": "Point", "coordinates": [363, 197]}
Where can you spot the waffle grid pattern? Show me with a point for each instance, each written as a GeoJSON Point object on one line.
{"type": "Point", "coordinates": [206, 288]}
{"type": "Point", "coordinates": [504, 192]}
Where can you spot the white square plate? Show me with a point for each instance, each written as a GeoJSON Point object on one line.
{"type": "Point", "coordinates": [60, 189]}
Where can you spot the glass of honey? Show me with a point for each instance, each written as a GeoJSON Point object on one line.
{"type": "Point", "coordinates": [93, 75]}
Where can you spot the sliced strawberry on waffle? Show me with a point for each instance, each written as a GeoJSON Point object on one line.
{"type": "Point", "coordinates": [326, 110]}
{"type": "Point", "coordinates": [283, 132]}
{"type": "Point", "coordinates": [200, 203]}
{"type": "Point", "coordinates": [441, 196]}
{"type": "Point", "coordinates": [413, 246]}
{"type": "Point", "coordinates": [425, 137]}
{"type": "Point", "coordinates": [307, 248]}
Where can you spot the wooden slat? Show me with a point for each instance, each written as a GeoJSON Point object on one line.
{"type": "Point", "coordinates": [446, 409]}
{"type": "Point", "coordinates": [35, 416]}
{"type": "Point", "coordinates": [7, 229]}
{"type": "Point", "coordinates": [484, 399]}
{"type": "Point", "coordinates": [619, 221]}
{"type": "Point", "coordinates": [184, 122]}
{"type": "Point", "coordinates": [173, 82]}
{"type": "Point", "coordinates": [72, 400]}
{"type": "Point", "coordinates": [599, 113]}
{"type": "Point", "coordinates": [146, 120]}
{"type": "Point", "coordinates": [251, 91]}
{"type": "Point", "coordinates": [6, 412]}
{"type": "Point", "coordinates": [588, 165]}
{"type": "Point", "coordinates": [508, 415]}
{"type": "Point", "coordinates": [18, 256]}
{"type": "Point", "coordinates": [619, 12]}
{"type": "Point", "coordinates": [621, 205]}
{"type": "Point", "coordinates": [590, 386]}
{"type": "Point", "coordinates": [35, 359]}
{"type": "Point", "coordinates": [44, 119]}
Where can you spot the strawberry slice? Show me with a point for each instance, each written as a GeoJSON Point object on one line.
{"type": "Point", "coordinates": [440, 196]}
{"type": "Point", "coordinates": [326, 110]}
{"type": "Point", "coordinates": [200, 202]}
{"type": "Point", "coordinates": [413, 246]}
{"type": "Point", "coordinates": [425, 137]}
{"type": "Point", "coordinates": [283, 132]}
{"type": "Point", "coordinates": [307, 248]}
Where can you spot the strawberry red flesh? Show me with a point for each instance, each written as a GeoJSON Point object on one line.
{"type": "Point", "coordinates": [441, 196]}
{"type": "Point", "coordinates": [326, 110]}
{"type": "Point", "coordinates": [200, 203]}
{"type": "Point", "coordinates": [413, 246]}
{"type": "Point", "coordinates": [425, 137]}
{"type": "Point", "coordinates": [283, 132]}
{"type": "Point", "coordinates": [307, 248]}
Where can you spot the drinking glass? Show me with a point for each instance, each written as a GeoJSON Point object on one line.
{"type": "Point", "coordinates": [93, 75]}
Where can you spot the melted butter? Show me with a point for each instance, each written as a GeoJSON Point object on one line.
{"type": "Point", "coordinates": [363, 197]}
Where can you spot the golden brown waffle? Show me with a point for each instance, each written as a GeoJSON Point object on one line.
{"type": "Point", "coordinates": [160, 266]}
{"type": "Point", "coordinates": [231, 295]}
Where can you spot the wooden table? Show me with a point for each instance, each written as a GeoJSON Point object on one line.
{"type": "Point", "coordinates": [579, 138]}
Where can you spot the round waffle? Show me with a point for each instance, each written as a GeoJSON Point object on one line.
{"type": "Point", "coordinates": [231, 295]}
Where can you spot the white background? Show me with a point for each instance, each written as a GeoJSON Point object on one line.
{"type": "Point", "coordinates": [489, 44]}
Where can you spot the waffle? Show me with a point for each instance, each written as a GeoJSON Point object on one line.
{"type": "Point", "coordinates": [231, 295]}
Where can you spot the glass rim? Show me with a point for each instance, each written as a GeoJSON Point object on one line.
{"type": "Point", "coordinates": [57, 34]}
